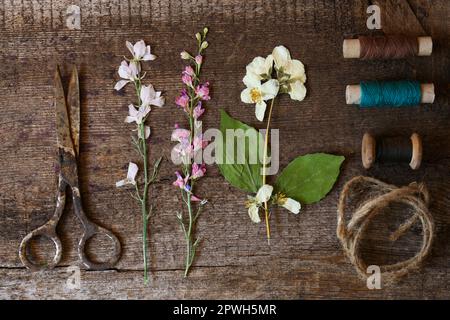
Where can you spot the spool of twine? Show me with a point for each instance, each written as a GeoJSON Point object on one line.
{"type": "Point", "coordinates": [397, 149]}
{"type": "Point", "coordinates": [387, 47]}
{"type": "Point", "coordinates": [378, 196]}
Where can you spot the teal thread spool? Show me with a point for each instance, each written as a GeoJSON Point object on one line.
{"type": "Point", "coordinates": [390, 94]}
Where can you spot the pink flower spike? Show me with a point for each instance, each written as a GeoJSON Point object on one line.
{"type": "Point", "coordinates": [189, 71]}
{"type": "Point", "coordinates": [202, 91]}
{"type": "Point", "coordinates": [199, 59]}
{"type": "Point", "coordinates": [198, 110]}
{"type": "Point", "coordinates": [195, 199]}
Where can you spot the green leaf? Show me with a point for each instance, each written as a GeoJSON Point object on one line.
{"type": "Point", "coordinates": [310, 177]}
{"type": "Point", "coordinates": [238, 171]}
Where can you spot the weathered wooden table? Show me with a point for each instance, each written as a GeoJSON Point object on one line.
{"type": "Point", "coordinates": [305, 259]}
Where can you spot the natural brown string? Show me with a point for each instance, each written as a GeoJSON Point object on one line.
{"type": "Point", "coordinates": [388, 47]}
{"type": "Point", "coordinates": [379, 195]}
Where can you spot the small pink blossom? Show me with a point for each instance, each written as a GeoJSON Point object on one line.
{"type": "Point", "coordinates": [183, 99]}
{"type": "Point", "coordinates": [198, 110]}
{"type": "Point", "coordinates": [198, 171]}
{"type": "Point", "coordinates": [181, 182]}
{"type": "Point", "coordinates": [187, 79]}
{"type": "Point", "coordinates": [180, 134]}
{"type": "Point", "coordinates": [189, 71]}
{"type": "Point", "coordinates": [199, 59]}
{"type": "Point", "coordinates": [202, 91]}
{"type": "Point", "coordinates": [199, 143]}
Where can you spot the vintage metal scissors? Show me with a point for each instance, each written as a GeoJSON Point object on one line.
{"type": "Point", "coordinates": [68, 135]}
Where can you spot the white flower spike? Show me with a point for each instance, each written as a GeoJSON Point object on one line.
{"type": "Point", "coordinates": [131, 175]}
{"type": "Point", "coordinates": [259, 93]}
{"type": "Point", "coordinates": [140, 51]}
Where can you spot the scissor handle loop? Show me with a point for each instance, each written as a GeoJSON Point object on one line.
{"type": "Point", "coordinates": [90, 231]}
{"type": "Point", "coordinates": [48, 231]}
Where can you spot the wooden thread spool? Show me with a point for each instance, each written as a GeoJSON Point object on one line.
{"type": "Point", "coordinates": [353, 93]}
{"type": "Point", "coordinates": [369, 152]}
{"type": "Point", "coordinates": [351, 48]}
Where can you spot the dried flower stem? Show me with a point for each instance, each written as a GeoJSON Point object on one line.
{"type": "Point", "coordinates": [194, 93]}
{"type": "Point", "coordinates": [266, 146]}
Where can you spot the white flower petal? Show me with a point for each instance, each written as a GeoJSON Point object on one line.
{"type": "Point", "coordinates": [158, 102]}
{"type": "Point", "coordinates": [260, 110]}
{"type": "Point", "coordinates": [134, 69]}
{"type": "Point", "coordinates": [264, 193]}
{"type": "Point", "coordinates": [121, 183]}
{"type": "Point", "coordinates": [297, 91]}
{"type": "Point", "coordinates": [132, 111]}
{"type": "Point", "coordinates": [139, 49]}
{"type": "Point", "coordinates": [252, 80]}
{"type": "Point", "coordinates": [246, 96]}
{"type": "Point", "coordinates": [253, 212]}
{"type": "Point", "coordinates": [292, 205]}
{"type": "Point", "coordinates": [268, 63]}
{"type": "Point", "coordinates": [147, 132]}
{"type": "Point", "coordinates": [296, 70]}
{"type": "Point", "coordinates": [270, 89]}
{"type": "Point", "coordinates": [120, 84]}
{"type": "Point", "coordinates": [132, 171]}
{"type": "Point", "coordinates": [129, 119]}
{"type": "Point", "coordinates": [124, 71]}
{"type": "Point", "coordinates": [281, 56]}
{"type": "Point", "coordinates": [257, 66]}
{"type": "Point", "coordinates": [130, 47]}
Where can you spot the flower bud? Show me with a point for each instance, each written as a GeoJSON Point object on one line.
{"type": "Point", "coordinates": [204, 45]}
{"type": "Point", "coordinates": [198, 36]}
{"type": "Point", "coordinates": [205, 31]}
{"type": "Point", "coordinates": [185, 55]}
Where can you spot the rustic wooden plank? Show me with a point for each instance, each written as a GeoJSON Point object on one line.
{"type": "Point", "coordinates": [305, 259]}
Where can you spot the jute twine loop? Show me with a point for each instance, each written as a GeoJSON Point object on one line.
{"type": "Point", "coordinates": [377, 196]}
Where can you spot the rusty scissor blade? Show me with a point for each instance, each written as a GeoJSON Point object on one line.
{"type": "Point", "coordinates": [63, 132]}
{"type": "Point", "coordinates": [73, 103]}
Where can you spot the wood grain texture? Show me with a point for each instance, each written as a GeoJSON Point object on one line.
{"type": "Point", "coordinates": [305, 259]}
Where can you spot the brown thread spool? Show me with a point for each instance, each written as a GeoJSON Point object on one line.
{"type": "Point", "coordinates": [387, 47]}
{"type": "Point", "coordinates": [369, 152]}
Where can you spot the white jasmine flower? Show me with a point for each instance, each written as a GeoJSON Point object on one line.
{"type": "Point", "coordinates": [150, 97]}
{"type": "Point", "coordinates": [140, 51]}
{"type": "Point", "coordinates": [262, 67]}
{"type": "Point", "coordinates": [137, 115]}
{"type": "Point", "coordinates": [292, 73]}
{"type": "Point", "coordinates": [128, 73]}
{"type": "Point", "coordinates": [131, 175]}
{"type": "Point", "coordinates": [288, 203]}
{"type": "Point", "coordinates": [253, 203]}
{"type": "Point", "coordinates": [258, 93]}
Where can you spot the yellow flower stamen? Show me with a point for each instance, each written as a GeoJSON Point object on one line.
{"type": "Point", "coordinates": [255, 94]}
